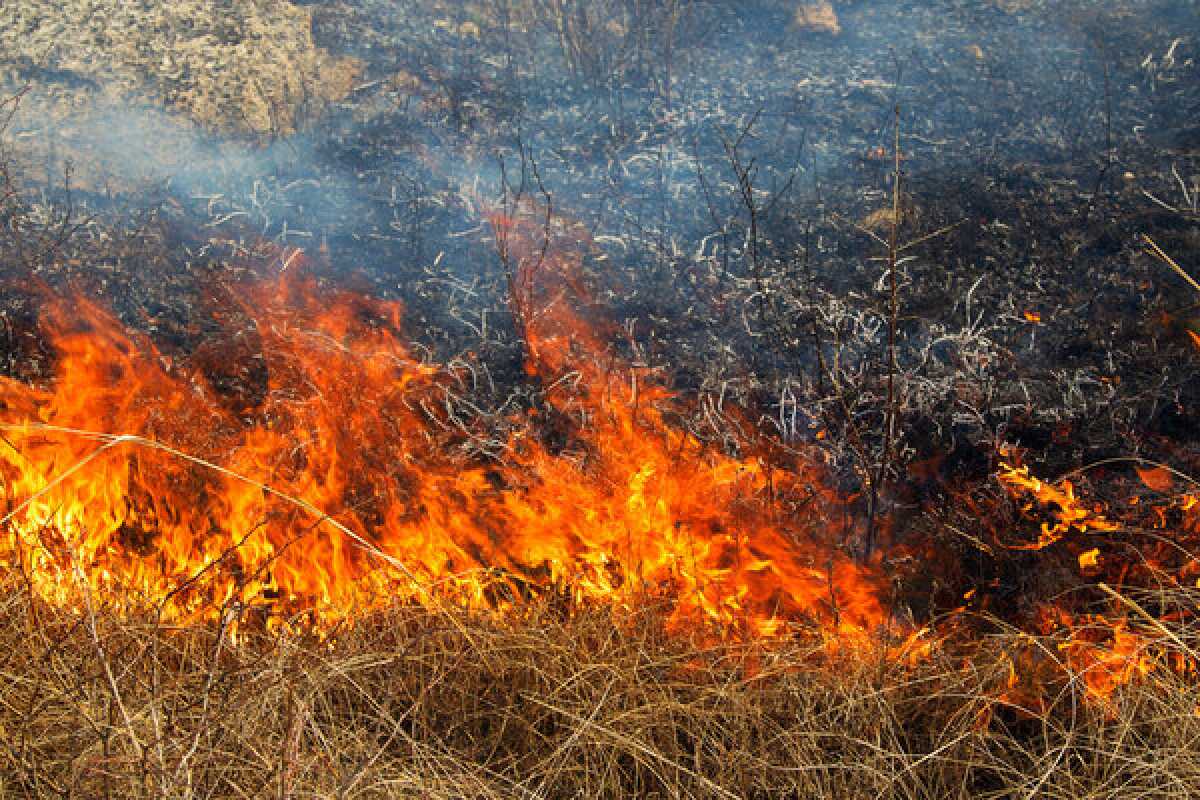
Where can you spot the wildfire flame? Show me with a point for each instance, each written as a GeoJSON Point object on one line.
{"type": "Point", "coordinates": [1106, 650]}
{"type": "Point", "coordinates": [302, 466]}
{"type": "Point", "coordinates": [343, 482]}
{"type": "Point", "coordinates": [1069, 513]}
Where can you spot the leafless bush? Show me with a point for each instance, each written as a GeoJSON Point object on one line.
{"type": "Point", "coordinates": [33, 227]}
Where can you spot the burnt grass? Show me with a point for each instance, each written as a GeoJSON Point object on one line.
{"type": "Point", "coordinates": [732, 235]}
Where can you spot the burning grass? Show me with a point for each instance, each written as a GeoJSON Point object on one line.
{"type": "Point", "coordinates": [337, 483]}
{"type": "Point", "coordinates": [288, 584]}
{"type": "Point", "coordinates": [292, 563]}
{"type": "Point", "coordinates": [271, 548]}
{"type": "Point", "coordinates": [559, 700]}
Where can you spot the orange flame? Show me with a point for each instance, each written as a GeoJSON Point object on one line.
{"type": "Point", "coordinates": [1103, 651]}
{"type": "Point", "coordinates": [1068, 511]}
{"type": "Point", "coordinates": [345, 481]}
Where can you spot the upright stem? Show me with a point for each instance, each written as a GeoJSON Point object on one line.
{"type": "Point", "coordinates": [889, 419]}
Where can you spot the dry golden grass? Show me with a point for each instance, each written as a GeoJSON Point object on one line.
{"type": "Point", "coordinates": [430, 704]}
{"type": "Point", "coordinates": [817, 16]}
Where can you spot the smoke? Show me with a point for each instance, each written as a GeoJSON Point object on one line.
{"type": "Point", "coordinates": [646, 138]}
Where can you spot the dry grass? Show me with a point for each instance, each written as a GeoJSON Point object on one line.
{"type": "Point", "coordinates": [417, 703]}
